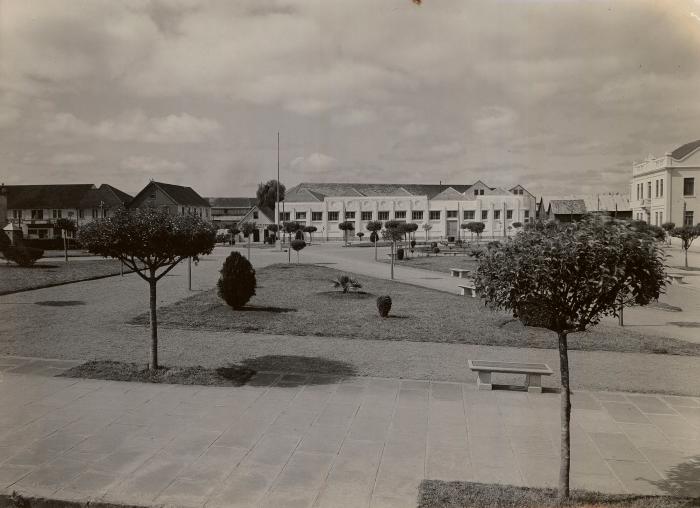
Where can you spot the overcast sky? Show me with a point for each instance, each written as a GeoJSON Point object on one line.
{"type": "Point", "coordinates": [559, 96]}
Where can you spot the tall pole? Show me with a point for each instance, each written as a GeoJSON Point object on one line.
{"type": "Point", "coordinates": [189, 274]}
{"type": "Point", "coordinates": [278, 233]}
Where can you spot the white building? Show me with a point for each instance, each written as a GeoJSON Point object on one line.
{"type": "Point", "coordinates": [444, 207]}
{"type": "Point", "coordinates": [664, 189]}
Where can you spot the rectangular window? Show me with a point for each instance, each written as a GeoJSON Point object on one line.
{"type": "Point", "coordinates": [56, 214]}
{"type": "Point", "coordinates": [16, 214]}
{"type": "Point", "coordinates": [478, 192]}
{"type": "Point", "coordinates": [661, 188]}
{"type": "Point", "coordinates": [649, 190]}
{"type": "Point", "coordinates": [399, 214]}
{"type": "Point", "coordinates": [284, 216]}
{"type": "Point", "coordinates": [81, 214]}
{"type": "Point", "coordinates": [484, 214]}
{"type": "Point", "coordinates": [689, 186]}
{"type": "Point", "coordinates": [37, 214]}
{"type": "Point", "coordinates": [451, 214]}
{"type": "Point", "coordinates": [300, 215]}
{"type": "Point", "coordinates": [383, 215]}
{"type": "Point", "coordinates": [496, 214]}
{"type": "Point", "coordinates": [316, 216]}
{"type": "Point", "coordinates": [255, 215]}
{"type": "Point", "coordinates": [366, 216]}
{"type": "Point", "coordinates": [468, 214]}
{"type": "Point", "coordinates": [333, 216]}
{"type": "Point", "coordinates": [95, 213]}
{"type": "Point", "coordinates": [656, 188]}
{"type": "Point", "coordinates": [661, 217]}
{"type": "Point", "coordinates": [434, 214]}
{"type": "Point", "coordinates": [349, 215]}
{"type": "Point", "coordinates": [527, 214]}
{"type": "Point", "coordinates": [417, 215]}
{"type": "Point", "coordinates": [509, 214]}
{"type": "Point", "coordinates": [688, 218]}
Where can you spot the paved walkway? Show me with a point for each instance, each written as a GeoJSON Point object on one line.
{"type": "Point", "coordinates": [291, 440]}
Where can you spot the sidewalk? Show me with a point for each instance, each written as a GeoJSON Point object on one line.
{"type": "Point", "coordinates": [295, 440]}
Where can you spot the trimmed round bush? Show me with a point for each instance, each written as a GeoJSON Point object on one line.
{"type": "Point", "coordinates": [22, 255]}
{"type": "Point", "coordinates": [433, 244]}
{"type": "Point", "coordinates": [384, 305]}
{"type": "Point", "coordinates": [237, 281]}
{"type": "Point", "coordinates": [436, 250]}
{"type": "Point", "coordinates": [399, 254]}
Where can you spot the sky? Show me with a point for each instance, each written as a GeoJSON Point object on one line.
{"type": "Point", "coordinates": [560, 96]}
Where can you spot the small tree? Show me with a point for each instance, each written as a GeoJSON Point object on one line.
{"type": "Point", "coordinates": [478, 228]}
{"type": "Point", "coordinates": [311, 230]}
{"type": "Point", "coordinates": [65, 226]}
{"type": "Point", "coordinates": [565, 278]}
{"type": "Point", "coordinates": [298, 245]}
{"type": "Point", "coordinates": [393, 232]}
{"type": "Point", "coordinates": [360, 235]}
{"type": "Point", "coordinates": [668, 227]}
{"type": "Point", "coordinates": [687, 235]}
{"type": "Point", "coordinates": [273, 228]}
{"type": "Point", "coordinates": [290, 227]}
{"type": "Point", "coordinates": [237, 282]}
{"type": "Point", "coordinates": [234, 232]}
{"type": "Point", "coordinates": [517, 225]}
{"type": "Point", "coordinates": [248, 228]}
{"type": "Point", "coordinates": [345, 227]}
{"type": "Point", "coordinates": [426, 227]}
{"type": "Point", "coordinates": [374, 226]}
{"type": "Point", "coordinates": [409, 228]}
{"type": "Point", "coordinates": [148, 240]}
{"type": "Point", "coordinates": [465, 225]}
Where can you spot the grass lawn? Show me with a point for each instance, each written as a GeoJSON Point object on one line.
{"type": "Point", "coordinates": [299, 300]}
{"type": "Point", "coordinates": [47, 273]}
{"type": "Point", "coordinates": [436, 493]}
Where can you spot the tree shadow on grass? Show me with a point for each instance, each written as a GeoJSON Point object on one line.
{"type": "Point", "coordinates": [685, 324]}
{"type": "Point", "coordinates": [299, 370]}
{"type": "Point", "coordinates": [265, 308]}
{"type": "Point", "coordinates": [60, 303]}
{"type": "Point", "coordinates": [681, 479]}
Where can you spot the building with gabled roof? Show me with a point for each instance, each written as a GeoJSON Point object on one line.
{"type": "Point", "coordinates": [227, 212]}
{"type": "Point", "coordinates": [443, 206]}
{"type": "Point", "coordinates": [613, 204]}
{"type": "Point", "coordinates": [35, 208]}
{"type": "Point", "coordinates": [177, 199]}
{"type": "Point", "coordinates": [665, 189]}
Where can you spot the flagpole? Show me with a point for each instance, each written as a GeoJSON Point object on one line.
{"type": "Point", "coordinates": [279, 234]}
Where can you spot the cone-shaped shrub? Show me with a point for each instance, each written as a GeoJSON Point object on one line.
{"type": "Point", "coordinates": [237, 282]}
{"type": "Point", "coordinates": [384, 305]}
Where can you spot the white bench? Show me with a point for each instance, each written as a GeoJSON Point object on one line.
{"type": "Point", "coordinates": [462, 273]}
{"type": "Point", "coordinates": [675, 278]}
{"type": "Point", "coordinates": [467, 290]}
{"type": "Point", "coordinates": [533, 373]}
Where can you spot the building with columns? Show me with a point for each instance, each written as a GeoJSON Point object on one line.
{"type": "Point", "coordinates": [664, 189]}
{"type": "Point", "coordinates": [444, 207]}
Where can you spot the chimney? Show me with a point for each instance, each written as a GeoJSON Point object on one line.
{"type": "Point", "coordinates": [3, 205]}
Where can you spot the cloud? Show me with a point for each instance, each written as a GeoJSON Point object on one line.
{"type": "Point", "coordinates": [135, 126]}
{"type": "Point", "coordinates": [70, 159]}
{"type": "Point", "coordinates": [413, 130]}
{"type": "Point", "coordinates": [494, 119]}
{"type": "Point", "coordinates": [355, 117]}
{"type": "Point", "coordinates": [152, 165]}
{"type": "Point", "coordinates": [313, 163]}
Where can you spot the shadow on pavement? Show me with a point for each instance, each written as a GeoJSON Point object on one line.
{"type": "Point", "coordinates": [681, 479]}
{"type": "Point", "coordinates": [303, 370]}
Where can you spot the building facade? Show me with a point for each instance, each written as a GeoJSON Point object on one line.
{"type": "Point", "coordinates": [178, 200]}
{"type": "Point", "coordinates": [228, 212]}
{"type": "Point", "coordinates": [36, 208]}
{"type": "Point", "coordinates": [572, 207]}
{"type": "Point", "coordinates": [664, 189]}
{"type": "Point", "coordinates": [443, 207]}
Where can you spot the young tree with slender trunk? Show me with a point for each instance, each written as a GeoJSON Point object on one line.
{"type": "Point", "coordinates": [426, 227]}
{"type": "Point", "coordinates": [151, 242]}
{"type": "Point", "coordinates": [393, 232]}
{"type": "Point", "coordinates": [65, 226]}
{"type": "Point", "coordinates": [565, 277]}
{"type": "Point", "coordinates": [345, 227]}
{"type": "Point", "coordinates": [374, 226]}
{"type": "Point", "coordinates": [248, 228]}
{"type": "Point", "coordinates": [478, 228]}
{"type": "Point", "coordinates": [668, 227]}
{"type": "Point", "coordinates": [687, 235]}
{"type": "Point", "coordinates": [310, 230]}
{"type": "Point", "coordinates": [290, 227]}
{"type": "Point", "coordinates": [298, 245]}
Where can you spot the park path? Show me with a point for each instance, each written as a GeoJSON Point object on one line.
{"type": "Point", "coordinates": [92, 326]}
{"type": "Point", "coordinates": [324, 441]}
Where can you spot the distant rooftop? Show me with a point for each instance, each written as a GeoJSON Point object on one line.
{"type": "Point", "coordinates": [232, 202]}
{"type": "Point", "coordinates": [322, 190]}
{"type": "Point", "coordinates": [684, 150]}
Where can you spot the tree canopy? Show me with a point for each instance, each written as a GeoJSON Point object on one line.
{"type": "Point", "coordinates": [687, 235]}
{"type": "Point", "coordinates": [267, 193]}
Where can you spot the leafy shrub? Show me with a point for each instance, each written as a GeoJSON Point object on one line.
{"type": "Point", "coordinates": [23, 255]}
{"type": "Point", "coordinates": [433, 244]}
{"type": "Point", "coordinates": [221, 238]}
{"type": "Point", "coordinates": [399, 254]}
{"type": "Point", "coordinates": [4, 241]}
{"type": "Point", "coordinates": [413, 244]}
{"type": "Point", "coordinates": [299, 235]}
{"type": "Point", "coordinates": [476, 253]}
{"type": "Point", "coordinates": [384, 305]}
{"type": "Point", "coordinates": [436, 250]}
{"type": "Point", "coordinates": [237, 282]}
{"type": "Point", "coordinates": [451, 239]}
{"type": "Point", "coordinates": [270, 239]}
{"type": "Point", "coordinates": [373, 237]}
{"type": "Point", "coordinates": [346, 283]}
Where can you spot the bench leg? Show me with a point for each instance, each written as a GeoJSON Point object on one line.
{"type": "Point", "coordinates": [484, 381]}
{"type": "Point", "coordinates": [472, 293]}
{"type": "Point", "coordinates": [534, 383]}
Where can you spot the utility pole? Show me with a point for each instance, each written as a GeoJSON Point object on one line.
{"type": "Point", "coordinates": [278, 232]}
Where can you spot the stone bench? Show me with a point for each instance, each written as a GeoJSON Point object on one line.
{"type": "Point", "coordinates": [467, 290]}
{"type": "Point", "coordinates": [533, 373]}
{"type": "Point", "coordinates": [462, 273]}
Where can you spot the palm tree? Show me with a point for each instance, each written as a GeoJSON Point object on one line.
{"type": "Point", "coordinates": [346, 283]}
